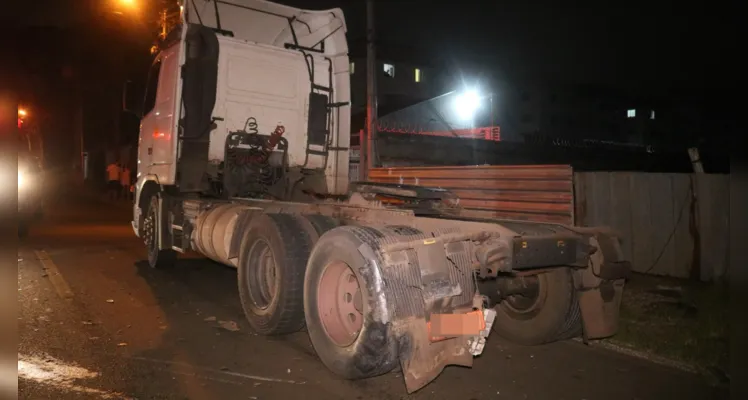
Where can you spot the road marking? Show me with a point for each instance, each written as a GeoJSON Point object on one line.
{"type": "Point", "coordinates": [217, 372]}
{"type": "Point", "coordinates": [61, 286]}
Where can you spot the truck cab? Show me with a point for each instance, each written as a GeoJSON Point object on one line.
{"type": "Point", "coordinates": [257, 109]}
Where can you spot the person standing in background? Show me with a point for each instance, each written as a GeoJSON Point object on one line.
{"type": "Point", "coordinates": [113, 172]}
{"type": "Point", "coordinates": [125, 182]}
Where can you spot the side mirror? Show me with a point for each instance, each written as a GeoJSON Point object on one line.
{"type": "Point", "coordinates": [129, 99]}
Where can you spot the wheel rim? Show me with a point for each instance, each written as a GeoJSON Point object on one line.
{"type": "Point", "coordinates": [149, 232]}
{"type": "Point", "coordinates": [262, 277]}
{"type": "Point", "coordinates": [529, 302]}
{"type": "Point", "coordinates": [340, 303]}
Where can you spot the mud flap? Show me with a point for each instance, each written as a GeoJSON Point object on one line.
{"type": "Point", "coordinates": [600, 309]}
{"type": "Point", "coordinates": [163, 226]}
{"type": "Point", "coordinates": [429, 280]}
{"type": "Point", "coordinates": [423, 360]}
{"type": "Point", "coordinates": [600, 287]}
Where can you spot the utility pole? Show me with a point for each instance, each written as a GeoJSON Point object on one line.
{"type": "Point", "coordinates": [167, 20]}
{"type": "Point", "coordinates": [371, 89]}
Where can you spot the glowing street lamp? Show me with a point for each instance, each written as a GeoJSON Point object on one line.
{"type": "Point", "coordinates": [466, 104]}
{"type": "Point", "coordinates": [120, 7]}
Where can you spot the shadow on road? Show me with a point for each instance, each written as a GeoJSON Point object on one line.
{"type": "Point", "coordinates": [208, 340]}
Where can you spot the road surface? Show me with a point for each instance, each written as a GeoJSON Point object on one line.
{"type": "Point", "coordinates": [96, 322]}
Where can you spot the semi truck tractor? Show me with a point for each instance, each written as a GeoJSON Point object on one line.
{"type": "Point", "coordinates": [243, 158]}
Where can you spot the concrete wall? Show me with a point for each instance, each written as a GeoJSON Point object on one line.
{"type": "Point", "coordinates": [672, 224]}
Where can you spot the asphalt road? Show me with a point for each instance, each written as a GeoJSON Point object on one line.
{"type": "Point", "coordinates": [96, 322]}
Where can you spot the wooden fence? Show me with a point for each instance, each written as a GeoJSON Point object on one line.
{"type": "Point", "coordinates": [672, 224]}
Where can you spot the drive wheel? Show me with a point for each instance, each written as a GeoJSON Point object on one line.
{"type": "Point", "coordinates": [344, 297]}
{"type": "Point", "coordinates": [546, 311]}
{"type": "Point", "coordinates": [272, 261]}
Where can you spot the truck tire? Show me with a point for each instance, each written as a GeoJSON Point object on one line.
{"type": "Point", "coordinates": [551, 314]}
{"type": "Point", "coordinates": [272, 261]}
{"type": "Point", "coordinates": [400, 230]}
{"type": "Point", "coordinates": [344, 294]}
{"type": "Point", "coordinates": [317, 225]}
{"type": "Point", "coordinates": [157, 258]}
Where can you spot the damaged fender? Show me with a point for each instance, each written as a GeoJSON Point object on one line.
{"type": "Point", "coordinates": [429, 278]}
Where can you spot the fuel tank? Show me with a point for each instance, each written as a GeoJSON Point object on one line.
{"type": "Point", "coordinates": [214, 230]}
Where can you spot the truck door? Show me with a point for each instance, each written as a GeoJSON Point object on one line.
{"type": "Point", "coordinates": [145, 141]}
{"type": "Point", "coordinates": [158, 126]}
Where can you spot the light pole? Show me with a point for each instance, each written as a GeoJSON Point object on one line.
{"type": "Point", "coordinates": [167, 21]}
{"type": "Point", "coordinates": [168, 17]}
{"type": "Point", "coordinates": [371, 91]}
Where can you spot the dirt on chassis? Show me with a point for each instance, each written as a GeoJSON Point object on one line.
{"type": "Point", "coordinates": [379, 288]}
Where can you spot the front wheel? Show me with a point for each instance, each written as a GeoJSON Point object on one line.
{"type": "Point", "coordinates": [546, 310]}
{"type": "Point", "coordinates": [157, 258]}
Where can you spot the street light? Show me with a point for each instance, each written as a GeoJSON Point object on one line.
{"type": "Point", "coordinates": [122, 7]}
{"type": "Point", "coordinates": [466, 104]}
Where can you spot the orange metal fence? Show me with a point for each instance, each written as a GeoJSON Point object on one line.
{"type": "Point", "coordinates": [542, 193]}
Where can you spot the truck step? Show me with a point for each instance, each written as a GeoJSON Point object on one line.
{"type": "Point", "coordinates": [178, 238]}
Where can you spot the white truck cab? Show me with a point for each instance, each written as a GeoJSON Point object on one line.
{"type": "Point", "coordinates": [218, 76]}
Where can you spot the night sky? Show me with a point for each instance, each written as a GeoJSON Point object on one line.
{"type": "Point", "coordinates": [642, 47]}
{"type": "Point", "coordinates": [648, 44]}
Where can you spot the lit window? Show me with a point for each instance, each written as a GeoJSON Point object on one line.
{"type": "Point", "coordinates": [352, 67]}
{"type": "Point", "coordinates": [389, 70]}
{"type": "Point", "coordinates": [652, 114]}
{"type": "Point", "coordinates": [631, 113]}
{"type": "Point", "coordinates": [418, 74]}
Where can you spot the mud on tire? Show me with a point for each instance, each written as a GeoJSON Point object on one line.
{"type": "Point", "coordinates": [555, 314]}
{"type": "Point", "coordinates": [272, 261]}
{"type": "Point", "coordinates": [371, 349]}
